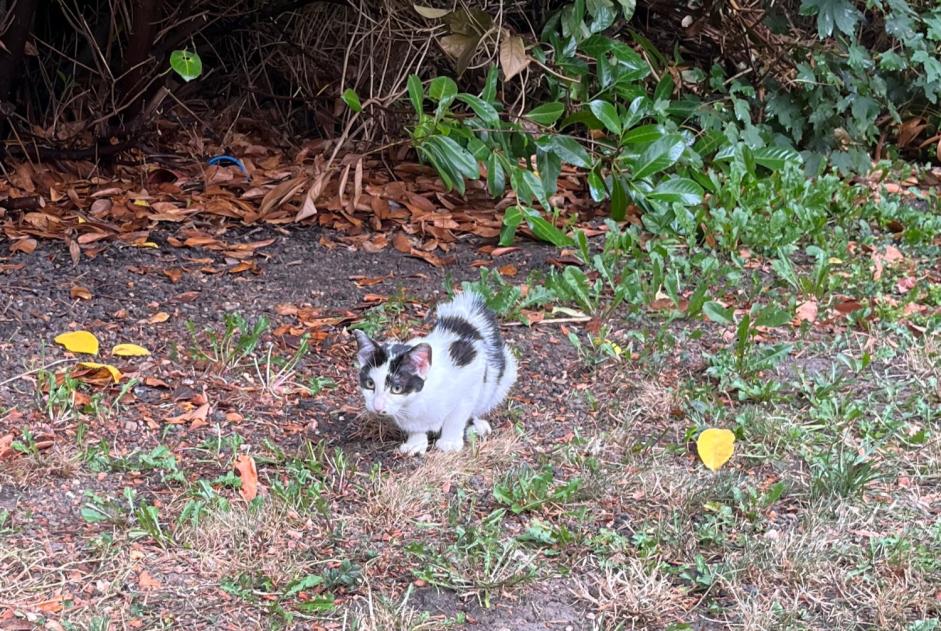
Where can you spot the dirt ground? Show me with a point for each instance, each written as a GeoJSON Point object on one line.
{"type": "Point", "coordinates": [128, 286]}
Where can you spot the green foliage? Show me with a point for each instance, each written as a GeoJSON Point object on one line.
{"type": "Point", "coordinates": [526, 489]}
{"type": "Point", "coordinates": [634, 145]}
{"type": "Point", "coordinates": [186, 63]}
{"type": "Point", "coordinates": [888, 63]}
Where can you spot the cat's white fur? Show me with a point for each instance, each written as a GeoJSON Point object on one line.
{"type": "Point", "coordinates": [452, 394]}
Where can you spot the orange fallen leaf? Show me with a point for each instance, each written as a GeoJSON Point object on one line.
{"type": "Point", "coordinates": [880, 259]}
{"type": "Point", "coordinates": [79, 292]}
{"type": "Point", "coordinates": [53, 605]}
{"type": "Point", "coordinates": [508, 270]}
{"type": "Point", "coordinates": [401, 243]}
{"type": "Point", "coordinates": [157, 318]}
{"type": "Point", "coordinates": [197, 416]}
{"type": "Point", "coordinates": [245, 465]}
{"type": "Point", "coordinates": [26, 246]}
{"type": "Point", "coordinates": [146, 581]}
{"type": "Point", "coordinates": [6, 446]}
{"type": "Point", "coordinates": [111, 370]}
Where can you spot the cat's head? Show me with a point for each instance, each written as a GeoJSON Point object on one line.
{"type": "Point", "coordinates": [390, 373]}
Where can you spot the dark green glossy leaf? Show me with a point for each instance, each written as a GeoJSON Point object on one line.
{"type": "Point", "coordinates": [677, 190]}
{"type": "Point", "coordinates": [618, 199]}
{"type": "Point", "coordinates": [607, 114]}
{"type": "Point", "coordinates": [416, 93]}
{"type": "Point", "coordinates": [596, 186]}
{"type": "Point", "coordinates": [484, 110]}
{"type": "Point", "coordinates": [546, 114]}
{"type": "Point", "coordinates": [776, 158]}
{"type": "Point", "coordinates": [663, 153]}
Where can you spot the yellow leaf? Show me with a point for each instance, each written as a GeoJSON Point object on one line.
{"type": "Point", "coordinates": [129, 350]}
{"type": "Point", "coordinates": [78, 342]}
{"type": "Point", "coordinates": [715, 447]}
{"type": "Point", "coordinates": [115, 373]}
{"type": "Point", "coordinates": [145, 244]}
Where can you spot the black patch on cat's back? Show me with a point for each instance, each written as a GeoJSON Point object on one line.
{"type": "Point", "coordinates": [462, 352]}
{"type": "Point", "coordinates": [460, 327]}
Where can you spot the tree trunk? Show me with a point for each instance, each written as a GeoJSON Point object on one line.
{"type": "Point", "coordinates": [135, 75]}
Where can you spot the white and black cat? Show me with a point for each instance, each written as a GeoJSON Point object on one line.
{"type": "Point", "coordinates": [458, 373]}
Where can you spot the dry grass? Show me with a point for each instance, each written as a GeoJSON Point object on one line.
{"type": "Point", "coordinates": [260, 540]}
{"type": "Point", "coordinates": [399, 499]}
{"type": "Point", "coordinates": [632, 596]}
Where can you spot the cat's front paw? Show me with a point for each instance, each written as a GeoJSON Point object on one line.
{"type": "Point", "coordinates": [480, 427]}
{"type": "Point", "coordinates": [450, 445]}
{"type": "Point", "coordinates": [414, 446]}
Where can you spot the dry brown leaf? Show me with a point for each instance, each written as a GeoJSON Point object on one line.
{"type": "Point", "coordinates": [245, 465]}
{"type": "Point", "coordinates": [146, 581]}
{"type": "Point", "coordinates": [281, 194]}
{"type": "Point", "coordinates": [401, 243]}
{"type": "Point", "coordinates": [807, 311]}
{"type": "Point", "coordinates": [197, 416]}
{"type": "Point", "coordinates": [513, 57]}
{"type": "Point", "coordinates": [157, 318]}
{"type": "Point", "coordinates": [6, 446]}
{"type": "Point", "coordinates": [26, 246]}
{"type": "Point", "coordinates": [880, 259]}
{"type": "Point", "coordinates": [174, 274]}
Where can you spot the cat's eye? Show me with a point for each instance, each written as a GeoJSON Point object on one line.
{"type": "Point", "coordinates": [396, 389]}
{"type": "Point", "coordinates": [370, 384]}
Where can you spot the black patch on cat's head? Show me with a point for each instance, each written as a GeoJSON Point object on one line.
{"type": "Point", "coordinates": [405, 368]}
{"type": "Point", "coordinates": [460, 327]}
{"type": "Point", "coordinates": [462, 352]}
{"type": "Point", "coordinates": [370, 355]}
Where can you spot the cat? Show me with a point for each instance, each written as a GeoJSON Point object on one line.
{"type": "Point", "coordinates": [459, 372]}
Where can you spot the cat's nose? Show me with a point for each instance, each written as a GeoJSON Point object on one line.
{"type": "Point", "coordinates": [379, 404]}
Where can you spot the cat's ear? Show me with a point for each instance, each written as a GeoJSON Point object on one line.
{"type": "Point", "coordinates": [419, 357]}
{"type": "Point", "coordinates": [366, 347]}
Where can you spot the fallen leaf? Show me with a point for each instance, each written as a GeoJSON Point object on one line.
{"type": "Point", "coordinates": [508, 270]}
{"type": "Point", "coordinates": [79, 292]}
{"type": "Point", "coordinates": [26, 246]}
{"type": "Point", "coordinates": [6, 446]}
{"type": "Point", "coordinates": [157, 318]}
{"type": "Point", "coordinates": [807, 311]}
{"type": "Point", "coordinates": [715, 446]}
{"type": "Point", "coordinates": [880, 259]}
{"type": "Point", "coordinates": [245, 465]}
{"type": "Point", "coordinates": [905, 285]}
{"type": "Point", "coordinates": [197, 416]}
{"type": "Point", "coordinates": [129, 350]}
{"type": "Point", "coordinates": [114, 372]}
{"type": "Point", "coordinates": [78, 342]}
{"type": "Point", "coordinates": [146, 581]}
{"type": "Point", "coordinates": [847, 306]}
{"type": "Point", "coordinates": [402, 244]}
